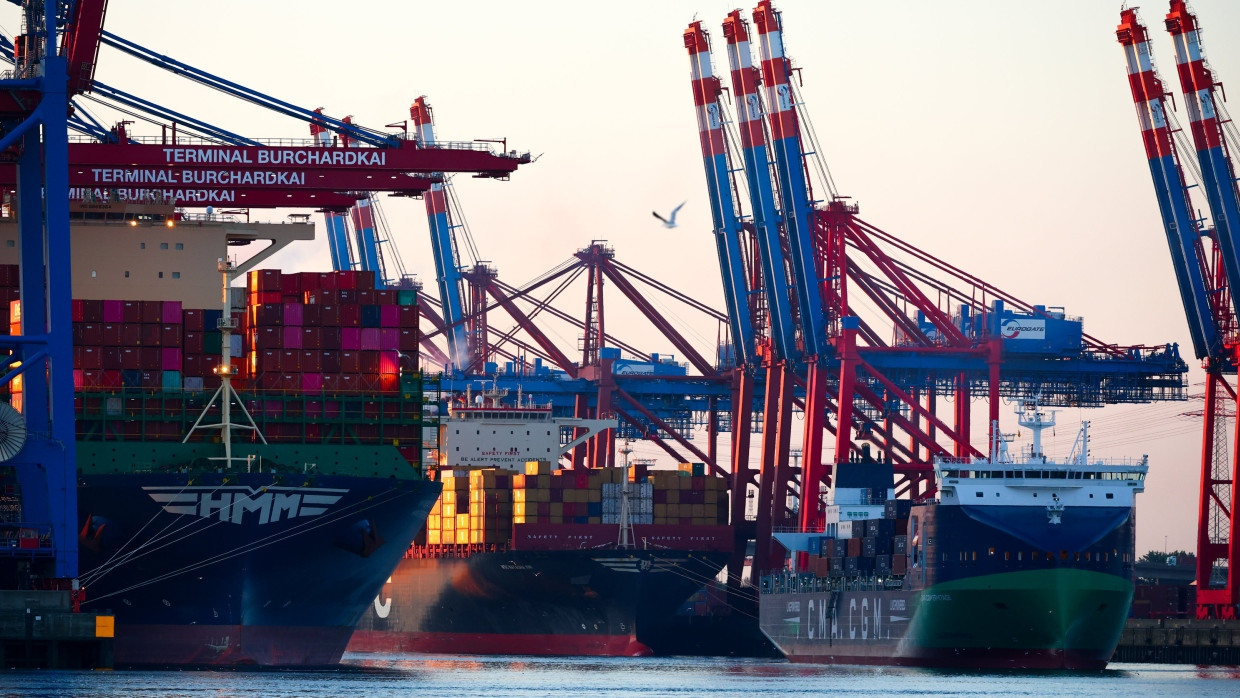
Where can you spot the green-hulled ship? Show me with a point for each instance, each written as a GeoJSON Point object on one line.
{"type": "Point", "coordinates": [1018, 562]}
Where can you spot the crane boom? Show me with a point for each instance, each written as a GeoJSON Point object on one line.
{"type": "Point", "coordinates": [337, 233]}
{"type": "Point", "coordinates": [1169, 185]}
{"type": "Point", "coordinates": [1217, 171]}
{"type": "Point", "coordinates": [745, 80]}
{"type": "Point", "coordinates": [447, 266]}
{"type": "Point", "coordinates": [706, 91]}
{"type": "Point", "coordinates": [789, 163]}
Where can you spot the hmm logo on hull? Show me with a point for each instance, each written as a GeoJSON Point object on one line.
{"type": "Point", "coordinates": [236, 504]}
{"type": "Point", "coordinates": [1024, 329]}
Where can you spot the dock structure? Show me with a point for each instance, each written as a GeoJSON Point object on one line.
{"type": "Point", "coordinates": [41, 630]}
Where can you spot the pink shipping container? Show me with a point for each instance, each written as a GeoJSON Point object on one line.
{"type": "Point", "coordinates": [171, 313]}
{"type": "Point", "coordinates": [389, 316]}
{"type": "Point", "coordinates": [312, 382]}
{"type": "Point", "coordinates": [292, 338]}
{"type": "Point", "coordinates": [113, 311]}
{"type": "Point", "coordinates": [292, 314]}
{"type": "Point", "coordinates": [370, 339]}
{"type": "Point", "coordinates": [79, 379]}
{"type": "Point", "coordinates": [389, 339]}
{"type": "Point", "coordinates": [351, 338]}
{"type": "Point", "coordinates": [78, 310]}
{"type": "Point", "coordinates": [170, 359]}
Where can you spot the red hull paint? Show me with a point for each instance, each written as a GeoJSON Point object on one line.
{"type": "Point", "coordinates": [229, 645]}
{"type": "Point", "coordinates": [477, 643]}
{"type": "Point", "coordinates": [971, 659]}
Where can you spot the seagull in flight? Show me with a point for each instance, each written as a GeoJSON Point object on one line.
{"type": "Point", "coordinates": [670, 221]}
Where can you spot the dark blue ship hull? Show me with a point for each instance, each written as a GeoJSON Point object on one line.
{"type": "Point", "coordinates": [241, 569]}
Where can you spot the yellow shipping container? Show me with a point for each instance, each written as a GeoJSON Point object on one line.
{"type": "Point", "coordinates": [555, 519]}
{"type": "Point", "coordinates": [544, 480]}
{"type": "Point", "coordinates": [594, 496]}
{"type": "Point", "coordinates": [673, 496]}
{"type": "Point", "coordinates": [712, 496]}
{"type": "Point", "coordinates": [432, 521]}
{"type": "Point", "coordinates": [685, 468]}
{"type": "Point", "coordinates": [448, 524]}
{"type": "Point", "coordinates": [462, 537]}
{"type": "Point", "coordinates": [556, 510]}
{"type": "Point", "coordinates": [540, 495]}
{"type": "Point", "coordinates": [699, 510]}
{"type": "Point", "coordinates": [448, 511]}
{"type": "Point", "coordinates": [520, 495]}
{"type": "Point", "coordinates": [537, 467]}
{"type": "Point", "coordinates": [433, 537]}
{"type": "Point", "coordinates": [716, 483]}
{"type": "Point", "coordinates": [684, 482]}
{"type": "Point", "coordinates": [436, 508]}
{"type": "Point", "coordinates": [595, 520]}
{"type": "Point", "coordinates": [660, 520]}
{"type": "Point", "coordinates": [462, 521]}
{"type": "Point", "coordinates": [660, 510]}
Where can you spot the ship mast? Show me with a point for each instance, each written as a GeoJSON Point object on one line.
{"type": "Point", "coordinates": [225, 394]}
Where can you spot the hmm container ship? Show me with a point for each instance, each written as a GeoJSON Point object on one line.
{"type": "Point", "coordinates": [1018, 562]}
{"type": "Point", "coordinates": [240, 514]}
{"type": "Point", "coordinates": [519, 558]}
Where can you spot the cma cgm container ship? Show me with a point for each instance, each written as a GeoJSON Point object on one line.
{"type": "Point", "coordinates": [245, 517]}
{"type": "Point", "coordinates": [536, 561]}
{"type": "Point", "coordinates": [1018, 562]}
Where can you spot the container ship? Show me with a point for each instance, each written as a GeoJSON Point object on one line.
{"type": "Point", "coordinates": [539, 561]}
{"type": "Point", "coordinates": [1017, 562]}
{"type": "Point", "coordinates": [238, 514]}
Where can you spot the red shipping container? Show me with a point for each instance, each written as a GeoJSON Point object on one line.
{"type": "Point", "coordinates": [111, 335]}
{"type": "Point", "coordinates": [370, 339]}
{"type": "Point", "coordinates": [331, 382]}
{"type": "Point", "coordinates": [77, 310]}
{"type": "Point", "coordinates": [192, 342]}
{"type": "Point", "coordinates": [309, 282]}
{"type": "Point", "coordinates": [111, 358]}
{"type": "Point", "coordinates": [113, 311]}
{"type": "Point", "coordinates": [89, 357]}
{"type": "Point", "coordinates": [346, 280]}
{"type": "Point", "coordinates": [364, 279]}
{"type": "Point", "coordinates": [266, 361]}
{"type": "Point", "coordinates": [290, 284]}
{"type": "Point", "coordinates": [131, 311]}
{"type": "Point", "coordinates": [330, 315]}
{"type": "Point", "coordinates": [79, 380]}
{"type": "Point", "coordinates": [264, 280]}
{"type": "Point", "coordinates": [210, 361]}
{"type": "Point", "coordinates": [311, 361]}
{"type": "Point", "coordinates": [365, 296]}
{"type": "Point", "coordinates": [407, 341]}
{"type": "Point", "coordinates": [347, 297]}
{"type": "Point", "coordinates": [191, 365]}
{"type": "Point", "coordinates": [110, 379]}
{"type": "Point", "coordinates": [145, 334]}
{"type": "Point", "coordinates": [194, 320]}
{"type": "Point", "coordinates": [327, 280]}
{"type": "Point", "coordinates": [370, 362]}
{"type": "Point", "coordinates": [350, 315]}
{"type": "Point", "coordinates": [91, 334]}
{"type": "Point", "coordinates": [171, 313]}
{"type": "Point", "coordinates": [312, 338]}
{"type": "Point", "coordinates": [350, 361]}
{"type": "Point", "coordinates": [92, 378]}
{"type": "Point", "coordinates": [389, 316]}
{"type": "Point", "coordinates": [170, 336]}
{"type": "Point", "coordinates": [292, 338]}
{"type": "Point", "coordinates": [170, 359]}
{"type": "Point", "coordinates": [386, 297]}
{"type": "Point", "coordinates": [290, 361]}
{"type": "Point", "coordinates": [311, 315]}
{"type": "Point", "coordinates": [330, 338]}
{"type": "Point", "coordinates": [150, 358]}
{"type": "Point", "coordinates": [330, 362]}
{"type": "Point", "coordinates": [389, 382]}
{"type": "Point", "coordinates": [92, 310]}
{"type": "Point", "coordinates": [153, 312]}
{"type": "Point", "coordinates": [408, 316]}
{"type": "Point", "coordinates": [268, 338]}
{"type": "Point", "coordinates": [266, 298]}
{"type": "Point", "coordinates": [131, 359]}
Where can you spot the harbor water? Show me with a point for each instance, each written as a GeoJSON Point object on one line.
{"type": "Point", "coordinates": [381, 676]}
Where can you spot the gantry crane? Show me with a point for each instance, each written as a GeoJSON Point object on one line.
{"type": "Point", "coordinates": [1207, 270]}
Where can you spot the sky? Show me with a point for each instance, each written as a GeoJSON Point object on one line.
{"type": "Point", "coordinates": [1000, 137]}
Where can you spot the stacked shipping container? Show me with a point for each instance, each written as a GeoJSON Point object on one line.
{"type": "Point", "coordinates": [865, 547]}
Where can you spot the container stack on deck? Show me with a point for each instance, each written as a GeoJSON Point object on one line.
{"type": "Point", "coordinates": [317, 357]}
{"type": "Point", "coordinates": [481, 505]}
{"type": "Point", "coordinates": [864, 547]}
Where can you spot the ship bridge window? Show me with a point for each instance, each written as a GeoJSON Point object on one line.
{"type": "Point", "coordinates": [163, 245]}
{"type": "Point", "coordinates": [1110, 495]}
{"type": "Point", "coordinates": [979, 494]}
